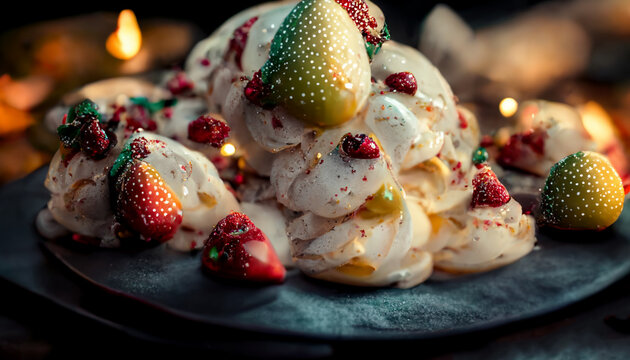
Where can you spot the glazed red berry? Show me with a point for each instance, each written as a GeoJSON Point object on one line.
{"type": "Point", "coordinates": [403, 82]}
{"type": "Point", "coordinates": [208, 130]}
{"type": "Point", "coordinates": [488, 190]}
{"type": "Point", "coordinates": [146, 204]}
{"type": "Point", "coordinates": [359, 146]}
{"type": "Point", "coordinates": [237, 249]}
{"type": "Point", "coordinates": [239, 40]}
{"type": "Point", "coordinates": [94, 141]}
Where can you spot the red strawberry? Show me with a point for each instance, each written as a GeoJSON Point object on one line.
{"type": "Point", "coordinates": [403, 82]}
{"type": "Point", "coordinates": [146, 204]}
{"type": "Point", "coordinates": [237, 249]}
{"type": "Point", "coordinates": [488, 190]}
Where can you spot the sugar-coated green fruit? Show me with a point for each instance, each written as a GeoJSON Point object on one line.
{"type": "Point", "coordinates": [583, 192]}
{"type": "Point", "coordinates": [318, 68]}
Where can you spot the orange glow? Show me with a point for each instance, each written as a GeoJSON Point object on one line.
{"type": "Point", "coordinates": [125, 42]}
{"type": "Point", "coordinates": [598, 123]}
{"type": "Point", "coordinates": [508, 107]}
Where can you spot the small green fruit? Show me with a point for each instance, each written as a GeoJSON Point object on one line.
{"type": "Point", "coordinates": [583, 192]}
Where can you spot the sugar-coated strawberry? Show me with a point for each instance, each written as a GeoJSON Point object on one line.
{"type": "Point", "coordinates": [318, 68]}
{"type": "Point", "coordinates": [583, 191]}
{"type": "Point", "coordinates": [359, 146]}
{"type": "Point", "coordinates": [237, 249]}
{"type": "Point", "coordinates": [488, 190]}
{"type": "Point", "coordinates": [94, 141]}
{"type": "Point", "coordinates": [146, 204]}
{"type": "Point", "coordinates": [403, 82]}
{"type": "Point", "coordinates": [208, 130]}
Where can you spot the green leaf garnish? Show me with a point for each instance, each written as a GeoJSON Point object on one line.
{"type": "Point", "coordinates": [153, 107]}
{"type": "Point", "coordinates": [69, 135]}
{"type": "Point", "coordinates": [86, 108]}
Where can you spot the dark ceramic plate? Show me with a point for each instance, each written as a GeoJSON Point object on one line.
{"type": "Point", "coordinates": [559, 273]}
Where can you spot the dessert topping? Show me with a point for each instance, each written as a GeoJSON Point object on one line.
{"type": "Point", "coordinates": [359, 146]}
{"type": "Point", "coordinates": [480, 156]}
{"type": "Point", "coordinates": [583, 191]}
{"type": "Point", "coordinates": [94, 141]}
{"type": "Point", "coordinates": [208, 130]}
{"type": "Point", "coordinates": [146, 204]}
{"type": "Point", "coordinates": [237, 249]}
{"type": "Point", "coordinates": [403, 82]}
{"type": "Point", "coordinates": [317, 68]}
{"type": "Point", "coordinates": [488, 190]}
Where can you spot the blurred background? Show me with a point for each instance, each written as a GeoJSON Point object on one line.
{"type": "Point", "coordinates": [572, 51]}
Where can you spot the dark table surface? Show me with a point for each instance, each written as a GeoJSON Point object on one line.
{"type": "Point", "coordinates": [49, 312]}
{"type": "Point", "coordinates": [597, 328]}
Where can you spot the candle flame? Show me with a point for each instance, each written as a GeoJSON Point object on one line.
{"type": "Point", "coordinates": [125, 42]}
{"type": "Point", "coordinates": [508, 107]}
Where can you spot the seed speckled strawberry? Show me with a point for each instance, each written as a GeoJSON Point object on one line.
{"type": "Point", "coordinates": [146, 204]}
{"type": "Point", "coordinates": [318, 68]}
{"type": "Point", "coordinates": [488, 190]}
{"type": "Point", "coordinates": [582, 192]}
{"type": "Point", "coordinates": [236, 249]}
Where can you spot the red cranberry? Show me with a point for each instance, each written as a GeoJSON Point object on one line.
{"type": "Point", "coordinates": [403, 82]}
{"type": "Point", "coordinates": [208, 130]}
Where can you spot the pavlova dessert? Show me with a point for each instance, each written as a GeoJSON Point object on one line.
{"type": "Point", "coordinates": [299, 135]}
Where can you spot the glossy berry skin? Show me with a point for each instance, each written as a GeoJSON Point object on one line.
{"type": "Point", "coordinates": [359, 146]}
{"type": "Point", "coordinates": [582, 192]}
{"type": "Point", "coordinates": [94, 141]}
{"type": "Point", "coordinates": [318, 67]}
{"type": "Point", "coordinates": [146, 204]}
{"type": "Point", "coordinates": [488, 190]}
{"type": "Point", "coordinates": [403, 82]}
{"type": "Point", "coordinates": [238, 250]}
